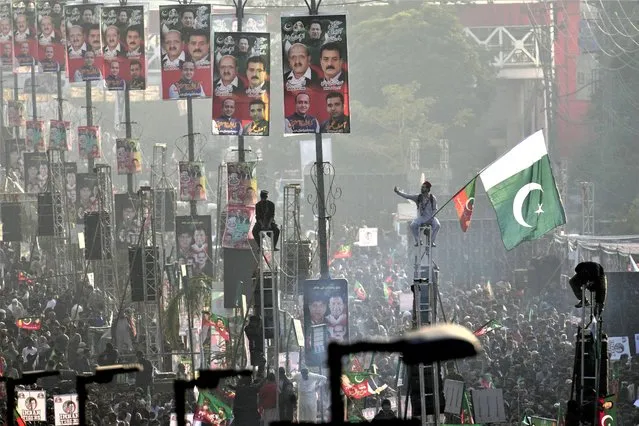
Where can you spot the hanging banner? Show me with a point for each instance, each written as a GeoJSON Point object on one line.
{"type": "Point", "coordinates": [59, 132]}
{"type": "Point", "coordinates": [241, 89]}
{"type": "Point", "coordinates": [129, 157]}
{"type": "Point", "coordinates": [84, 42]}
{"type": "Point", "coordinates": [36, 172]}
{"type": "Point", "coordinates": [86, 197]}
{"type": "Point", "coordinates": [325, 317]}
{"type": "Point", "coordinates": [32, 405]}
{"type": "Point", "coordinates": [6, 36]}
{"type": "Point", "coordinates": [13, 153]}
{"type": "Point", "coordinates": [65, 408]}
{"type": "Point", "coordinates": [185, 36]}
{"type": "Point", "coordinates": [89, 143]}
{"type": "Point", "coordinates": [192, 181]}
{"type": "Point", "coordinates": [239, 222]}
{"type": "Point", "coordinates": [70, 172]}
{"type": "Point", "coordinates": [15, 113]}
{"type": "Point", "coordinates": [242, 197]}
{"type": "Point", "coordinates": [227, 22]}
{"type": "Point", "coordinates": [127, 228]}
{"type": "Point", "coordinates": [194, 243]}
{"type": "Point", "coordinates": [51, 46]}
{"type": "Point", "coordinates": [315, 66]}
{"type": "Point", "coordinates": [36, 136]}
{"type": "Point", "coordinates": [617, 346]}
{"type": "Point", "coordinates": [123, 47]}
{"type": "Point", "coordinates": [25, 45]}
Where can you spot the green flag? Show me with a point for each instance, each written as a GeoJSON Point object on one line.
{"type": "Point", "coordinates": [521, 187]}
{"type": "Point", "coordinates": [211, 409]}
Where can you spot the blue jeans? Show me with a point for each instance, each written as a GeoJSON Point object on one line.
{"type": "Point", "coordinates": [419, 221]}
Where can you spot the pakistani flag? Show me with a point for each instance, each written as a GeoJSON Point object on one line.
{"type": "Point", "coordinates": [522, 190]}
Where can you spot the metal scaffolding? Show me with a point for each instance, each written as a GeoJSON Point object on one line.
{"type": "Point", "coordinates": [291, 239]}
{"type": "Point", "coordinates": [587, 208]}
{"type": "Point", "coordinates": [106, 268]}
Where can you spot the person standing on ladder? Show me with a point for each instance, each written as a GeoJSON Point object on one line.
{"type": "Point", "coordinates": [265, 219]}
{"type": "Point", "coordinates": [426, 209]}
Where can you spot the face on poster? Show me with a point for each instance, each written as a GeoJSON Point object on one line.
{"type": "Point", "coordinates": [36, 172]}
{"type": "Point", "coordinates": [84, 42]}
{"type": "Point", "coordinates": [242, 184]}
{"type": "Point", "coordinates": [15, 165]}
{"type": "Point", "coordinates": [241, 89]}
{"type": "Point", "coordinates": [6, 36]}
{"type": "Point", "coordinates": [70, 171]}
{"type": "Point", "coordinates": [129, 157]}
{"type": "Point", "coordinates": [185, 37]}
{"type": "Point", "coordinates": [188, 419]}
{"type": "Point", "coordinates": [89, 144]}
{"type": "Point", "coordinates": [58, 135]}
{"type": "Point", "coordinates": [15, 113]}
{"type": "Point", "coordinates": [192, 181]}
{"type": "Point", "coordinates": [25, 45]}
{"type": "Point", "coordinates": [51, 36]}
{"type": "Point", "coordinates": [32, 406]}
{"type": "Point", "coordinates": [86, 194]}
{"type": "Point", "coordinates": [123, 47]}
{"type": "Point", "coordinates": [194, 243]}
{"type": "Point", "coordinates": [237, 231]}
{"type": "Point", "coordinates": [36, 135]}
{"type": "Point", "coordinates": [315, 66]}
{"type": "Point", "coordinates": [65, 408]}
{"type": "Point", "coordinates": [126, 215]}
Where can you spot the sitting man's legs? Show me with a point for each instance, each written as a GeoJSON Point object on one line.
{"type": "Point", "coordinates": [256, 232]}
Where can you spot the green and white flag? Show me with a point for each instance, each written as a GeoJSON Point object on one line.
{"type": "Point", "coordinates": [521, 187]}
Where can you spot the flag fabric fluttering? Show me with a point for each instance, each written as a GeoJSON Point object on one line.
{"type": "Point", "coordinates": [388, 293]}
{"type": "Point", "coordinates": [360, 385]}
{"type": "Point", "coordinates": [220, 323]}
{"type": "Point", "coordinates": [488, 327]}
{"type": "Point", "coordinates": [30, 323]}
{"type": "Point", "coordinates": [464, 202]}
{"type": "Point", "coordinates": [521, 188]}
{"type": "Point", "coordinates": [360, 291]}
{"type": "Point", "coordinates": [467, 410]}
{"type": "Point", "coordinates": [211, 409]}
{"type": "Point", "coordinates": [344, 252]}
{"type": "Point", "coordinates": [18, 417]}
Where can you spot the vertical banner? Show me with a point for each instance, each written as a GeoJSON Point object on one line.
{"type": "Point", "coordinates": [89, 143]}
{"type": "Point", "coordinates": [129, 157]}
{"type": "Point", "coordinates": [15, 113]}
{"type": "Point", "coordinates": [70, 172]}
{"type": "Point", "coordinates": [65, 408]}
{"type": "Point", "coordinates": [86, 197]}
{"type": "Point", "coordinates": [123, 47]}
{"type": "Point", "coordinates": [36, 140]}
{"type": "Point", "coordinates": [192, 181]}
{"type": "Point", "coordinates": [59, 132]}
{"type": "Point", "coordinates": [13, 154]}
{"type": "Point", "coordinates": [242, 197]}
{"type": "Point", "coordinates": [32, 406]}
{"type": "Point", "coordinates": [194, 243]}
{"type": "Point", "coordinates": [315, 66]}
{"type": "Point", "coordinates": [6, 36]}
{"type": "Point", "coordinates": [24, 35]}
{"type": "Point", "coordinates": [127, 229]}
{"type": "Point", "coordinates": [36, 172]}
{"type": "Point", "coordinates": [241, 89]}
{"type": "Point", "coordinates": [51, 47]}
{"type": "Point", "coordinates": [325, 317]}
{"type": "Point", "coordinates": [84, 42]}
{"type": "Point", "coordinates": [185, 36]}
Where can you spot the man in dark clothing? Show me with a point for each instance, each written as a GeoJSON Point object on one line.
{"type": "Point", "coordinates": [264, 219]}
{"type": "Point", "coordinates": [144, 378]}
{"type": "Point", "coordinates": [245, 403]}
{"type": "Point", "coordinates": [109, 356]}
{"type": "Point", "coordinates": [386, 413]}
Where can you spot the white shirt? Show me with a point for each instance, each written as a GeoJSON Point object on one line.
{"type": "Point", "coordinates": [22, 36]}
{"type": "Point", "coordinates": [6, 37]}
{"type": "Point", "coordinates": [298, 83]}
{"type": "Point", "coordinates": [308, 386]}
{"type": "Point", "coordinates": [172, 64]}
{"type": "Point", "coordinates": [332, 83]}
{"type": "Point", "coordinates": [204, 62]}
{"type": "Point", "coordinates": [77, 53]}
{"type": "Point", "coordinates": [222, 89]}
{"type": "Point", "coordinates": [46, 39]}
{"type": "Point", "coordinates": [111, 53]}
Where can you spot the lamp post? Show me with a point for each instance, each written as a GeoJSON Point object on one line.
{"type": "Point", "coordinates": [26, 379]}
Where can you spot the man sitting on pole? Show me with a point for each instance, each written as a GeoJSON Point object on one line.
{"type": "Point", "coordinates": [265, 219]}
{"type": "Point", "coordinates": [426, 209]}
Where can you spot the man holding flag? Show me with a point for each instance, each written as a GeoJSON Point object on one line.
{"type": "Point", "coordinates": [426, 209]}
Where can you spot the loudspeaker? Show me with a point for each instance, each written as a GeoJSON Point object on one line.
{"type": "Point", "coordinates": [268, 302]}
{"type": "Point", "coordinates": [588, 404]}
{"type": "Point", "coordinates": [422, 305]}
{"type": "Point", "coordinates": [45, 215]}
{"type": "Point", "coordinates": [11, 214]}
{"type": "Point", "coordinates": [415, 396]}
{"type": "Point", "coordinates": [165, 199]}
{"type": "Point", "coordinates": [139, 265]}
{"type": "Point", "coordinates": [95, 226]}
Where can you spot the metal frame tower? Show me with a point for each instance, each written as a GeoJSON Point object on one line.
{"type": "Point", "coordinates": [107, 266]}
{"type": "Point", "coordinates": [587, 208]}
{"type": "Point", "coordinates": [291, 238]}
{"type": "Point", "coordinates": [444, 164]}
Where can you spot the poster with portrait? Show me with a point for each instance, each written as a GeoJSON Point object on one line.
{"type": "Point", "coordinates": [25, 45]}
{"type": "Point", "coordinates": [70, 172]}
{"type": "Point", "coordinates": [36, 172]}
{"type": "Point", "coordinates": [237, 230]}
{"type": "Point", "coordinates": [86, 195]}
{"type": "Point", "coordinates": [241, 88]}
{"type": "Point", "coordinates": [242, 184]}
{"type": "Point", "coordinates": [192, 181]}
{"type": "Point", "coordinates": [315, 66]}
{"type": "Point", "coordinates": [15, 113]}
{"type": "Point", "coordinates": [51, 36]}
{"type": "Point", "coordinates": [6, 36]}
{"type": "Point", "coordinates": [127, 228]}
{"type": "Point", "coordinates": [185, 37]}
{"type": "Point", "coordinates": [227, 23]}
{"type": "Point", "coordinates": [194, 247]}
{"type": "Point", "coordinates": [325, 317]}
{"type": "Point", "coordinates": [32, 405]}
{"type": "Point", "coordinates": [59, 132]}
{"type": "Point", "coordinates": [123, 47]}
{"type": "Point", "coordinates": [65, 408]}
{"type": "Point", "coordinates": [13, 150]}
{"type": "Point", "coordinates": [89, 143]}
{"type": "Point", "coordinates": [36, 138]}
{"type": "Point", "coordinates": [85, 60]}
{"type": "Point", "coordinates": [129, 157]}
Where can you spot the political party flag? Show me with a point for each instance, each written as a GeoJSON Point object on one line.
{"type": "Point", "coordinates": [344, 252]}
{"type": "Point", "coordinates": [607, 411]}
{"type": "Point", "coordinates": [18, 418]}
{"type": "Point", "coordinates": [467, 410]}
{"type": "Point", "coordinates": [360, 292]}
{"type": "Point", "coordinates": [388, 293]}
{"type": "Point", "coordinates": [29, 323]}
{"type": "Point", "coordinates": [522, 189]}
{"type": "Point", "coordinates": [211, 409]}
{"type": "Point", "coordinates": [356, 365]}
{"type": "Point", "coordinates": [464, 202]}
{"type": "Point", "coordinates": [488, 327]}
{"type": "Point", "coordinates": [360, 385]}
{"type": "Point", "coordinates": [221, 324]}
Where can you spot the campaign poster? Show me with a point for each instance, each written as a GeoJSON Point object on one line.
{"type": "Point", "coordinates": [25, 45]}
{"type": "Point", "coordinates": [89, 143]}
{"type": "Point", "coordinates": [227, 23]}
{"type": "Point", "coordinates": [237, 230]}
{"type": "Point", "coordinates": [85, 61]}
{"type": "Point", "coordinates": [241, 89]}
{"type": "Point", "coordinates": [129, 157]}
{"type": "Point", "coordinates": [192, 181]}
{"type": "Point", "coordinates": [185, 37]}
{"type": "Point", "coordinates": [194, 245]}
{"type": "Point", "coordinates": [65, 408]}
{"type": "Point", "coordinates": [59, 132]}
{"type": "Point", "coordinates": [123, 47]}
{"type": "Point", "coordinates": [32, 405]}
{"type": "Point", "coordinates": [36, 172]}
{"type": "Point", "coordinates": [35, 138]}
{"type": "Point", "coordinates": [86, 195]}
{"type": "Point", "coordinates": [242, 184]}
{"type": "Point", "coordinates": [13, 154]}
{"type": "Point", "coordinates": [127, 229]}
{"type": "Point", "coordinates": [70, 172]}
{"type": "Point", "coordinates": [315, 66]}
{"type": "Point", "coordinates": [6, 36]}
{"type": "Point", "coordinates": [15, 113]}
{"type": "Point", "coordinates": [188, 419]}
{"type": "Point", "coordinates": [51, 36]}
